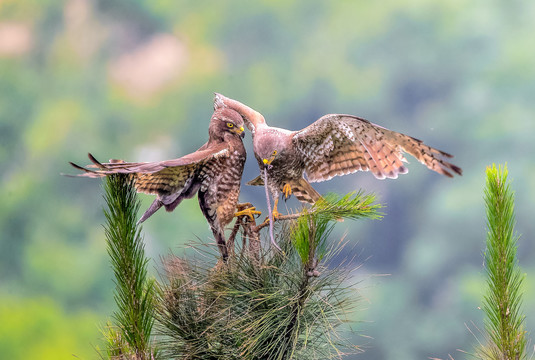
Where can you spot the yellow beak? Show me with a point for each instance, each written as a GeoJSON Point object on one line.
{"type": "Point", "coordinates": [239, 131]}
{"type": "Point", "coordinates": [268, 161]}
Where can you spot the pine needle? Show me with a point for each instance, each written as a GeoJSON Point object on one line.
{"type": "Point", "coordinates": [278, 305]}
{"type": "Point", "coordinates": [504, 323]}
{"type": "Point", "coordinates": [134, 293]}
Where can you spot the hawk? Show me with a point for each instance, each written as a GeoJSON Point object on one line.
{"type": "Point", "coordinates": [213, 172]}
{"type": "Point", "coordinates": [334, 145]}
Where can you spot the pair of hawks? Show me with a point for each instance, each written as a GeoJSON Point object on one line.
{"type": "Point", "coordinates": [334, 145]}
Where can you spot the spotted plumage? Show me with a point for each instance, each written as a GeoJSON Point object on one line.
{"type": "Point", "coordinates": [213, 172]}
{"type": "Point", "coordinates": [334, 145]}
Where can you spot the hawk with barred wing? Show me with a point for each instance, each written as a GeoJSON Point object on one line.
{"type": "Point", "coordinates": [334, 145]}
{"type": "Point", "coordinates": [213, 172]}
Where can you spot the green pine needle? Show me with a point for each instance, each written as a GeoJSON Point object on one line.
{"type": "Point", "coordinates": [134, 293]}
{"type": "Point", "coordinates": [281, 305]}
{"type": "Point", "coordinates": [315, 225]}
{"type": "Point", "coordinates": [504, 323]}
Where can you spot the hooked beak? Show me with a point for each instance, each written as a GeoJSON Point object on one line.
{"type": "Point", "coordinates": [240, 132]}
{"type": "Point", "coordinates": [267, 162]}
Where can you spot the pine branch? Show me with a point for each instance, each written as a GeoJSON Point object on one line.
{"type": "Point", "coordinates": [266, 305]}
{"type": "Point", "coordinates": [351, 206]}
{"type": "Point", "coordinates": [134, 293]}
{"type": "Point", "coordinates": [505, 323]}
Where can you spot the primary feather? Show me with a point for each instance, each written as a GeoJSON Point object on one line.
{"type": "Point", "coordinates": [333, 145]}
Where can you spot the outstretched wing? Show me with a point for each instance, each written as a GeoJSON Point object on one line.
{"type": "Point", "coordinates": [339, 144]}
{"type": "Point", "coordinates": [161, 178]}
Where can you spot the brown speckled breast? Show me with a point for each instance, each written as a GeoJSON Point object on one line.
{"type": "Point", "coordinates": [220, 185]}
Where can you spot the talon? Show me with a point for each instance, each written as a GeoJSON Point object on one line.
{"type": "Point", "coordinates": [250, 212]}
{"type": "Point", "coordinates": [275, 213]}
{"type": "Point", "coordinates": [287, 190]}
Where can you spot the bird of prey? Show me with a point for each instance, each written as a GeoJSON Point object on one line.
{"type": "Point", "coordinates": [333, 145]}
{"type": "Point", "coordinates": [213, 172]}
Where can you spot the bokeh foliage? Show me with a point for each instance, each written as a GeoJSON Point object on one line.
{"type": "Point", "coordinates": [456, 74]}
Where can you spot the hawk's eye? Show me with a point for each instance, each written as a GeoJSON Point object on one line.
{"type": "Point", "coordinates": [274, 152]}
{"type": "Point", "coordinates": [230, 125]}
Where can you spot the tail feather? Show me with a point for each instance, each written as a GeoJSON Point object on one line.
{"type": "Point", "coordinates": [156, 204]}
{"type": "Point", "coordinates": [257, 181]}
{"type": "Point", "coordinates": [304, 192]}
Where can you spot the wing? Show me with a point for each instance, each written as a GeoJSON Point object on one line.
{"type": "Point", "coordinates": [339, 144]}
{"type": "Point", "coordinates": [160, 178]}
{"type": "Point", "coordinates": [252, 118]}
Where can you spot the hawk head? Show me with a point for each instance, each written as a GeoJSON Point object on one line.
{"type": "Point", "coordinates": [253, 118]}
{"type": "Point", "coordinates": [269, 146]}
{"type": "Point", "coordinates": [226, 120]}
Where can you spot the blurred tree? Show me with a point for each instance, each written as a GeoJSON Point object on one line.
{"type": "Point", "coordinates": [456, 74]}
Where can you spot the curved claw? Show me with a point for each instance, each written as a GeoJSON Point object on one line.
{"type": "Point", "coordinates": [275, 214]}
{"type": "Point", "coordinates": [250, 212]}
{"type": "Point", "coordinates": [287, 190]}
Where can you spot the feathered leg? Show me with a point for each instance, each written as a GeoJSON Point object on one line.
{"type": "Point", "coordinates": [219, 236]}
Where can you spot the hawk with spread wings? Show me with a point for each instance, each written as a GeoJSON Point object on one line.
{"type": "Point", "coordinates": [334, 145]}
{"type": "Point", "coordinates": [213, 172]}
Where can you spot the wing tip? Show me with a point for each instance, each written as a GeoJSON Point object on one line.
{"type": "Point", "coordinates": [453, 168]}
{"type": "Point", "coordinates": [86, 172]}
{"type": "Point", "coordinates": [78, 167]}
{"type": "Point", "coordinates": [219, 101]}
{"type": "Point", "coordinates": [457, 169]}
{"type": "Point", "coordinates": [97, 163]}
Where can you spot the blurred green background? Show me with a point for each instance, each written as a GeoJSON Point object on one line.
{"type": "Point", "coordinates": [135, 80]}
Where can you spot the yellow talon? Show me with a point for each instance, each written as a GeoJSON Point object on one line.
{"type": "Point", "coordinates": [275, 213]}
{"type": "Point", "coordinates": [287, 190]}
{"type": "Point", "coordinates": [251, 212]}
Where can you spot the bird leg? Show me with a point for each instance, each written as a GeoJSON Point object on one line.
{"type": "Point", "coordinates": [287, 190]}
{"type": "Point", "coordinates": [246, 209]}
{"type": "Point", "coordinates": [275, 213]}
